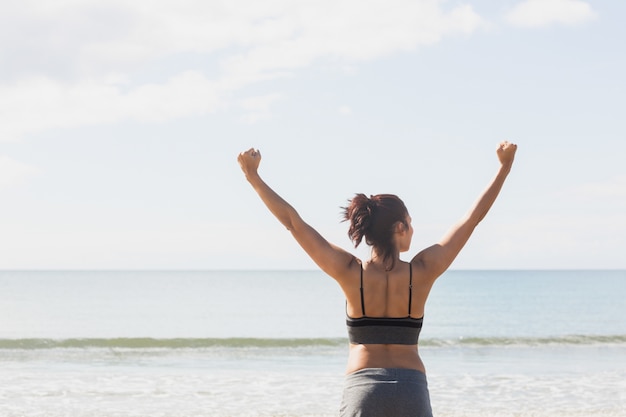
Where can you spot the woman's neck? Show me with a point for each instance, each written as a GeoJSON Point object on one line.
{"type": "Point", "coordinates": [388, 264]}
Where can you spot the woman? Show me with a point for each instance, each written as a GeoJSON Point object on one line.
{"type": "Point", "coordinates": [385, 296]}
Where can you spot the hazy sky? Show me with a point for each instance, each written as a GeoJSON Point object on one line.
{"type": "Point", "coordinates": [121, 121]}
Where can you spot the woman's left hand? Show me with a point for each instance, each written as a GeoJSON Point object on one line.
{"type": "Point", "coordinates": [506, 152]}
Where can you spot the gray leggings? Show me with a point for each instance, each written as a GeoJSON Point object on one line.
{"type": "Point", "coordinates": [386, 392]}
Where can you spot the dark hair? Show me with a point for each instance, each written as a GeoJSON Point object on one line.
{"type": "Point", "coordinates": [374, 219]}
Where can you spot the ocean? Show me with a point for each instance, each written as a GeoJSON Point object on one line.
{"type": "Point", "coordinates": [273, 343]}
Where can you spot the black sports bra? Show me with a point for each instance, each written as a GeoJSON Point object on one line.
{"type": "Point", "coordinates": [384, 330]}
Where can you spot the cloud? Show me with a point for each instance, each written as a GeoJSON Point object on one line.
{"type": "Point", "coordinates": [345, 110]}
{"type": "Point", "coordinates": [40, 103]}
{"type": "Point", "coordinates": [258, 107]}
{"type": "Point", "coordinates": [91, 32]}
{"type": "Point", "coordinates": [575, 240]}
{"type": "Point", "coordinates": [352, 31]}
{"type": "Point", "coordinates": [600, 192]}
{"type": "Point", "coordinates": [13, 172]}
{"type": "Point", "coordinates": [62, 55]}
{"type": "Point", "coordinates": [537, 13]}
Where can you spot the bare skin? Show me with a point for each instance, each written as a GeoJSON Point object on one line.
{"type": "Point", "coordinates": [386, 291]}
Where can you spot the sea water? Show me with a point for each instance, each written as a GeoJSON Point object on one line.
{"type": "Point", "coordinates": [273, 343]}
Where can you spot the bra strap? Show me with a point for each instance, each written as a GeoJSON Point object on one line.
{"type": "Point", "coordinates": [410, 286]}
{"type": "Point", "coordinates": [361, 289]}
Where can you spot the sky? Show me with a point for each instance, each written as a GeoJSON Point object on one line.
{"type": "Point", "coordinates": [121, 122]}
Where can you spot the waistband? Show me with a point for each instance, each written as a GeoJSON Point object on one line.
{"type": "Point", "coordinates": [387, 374]}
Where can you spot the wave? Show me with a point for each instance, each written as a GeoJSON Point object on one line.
{"type": "Point", "coordinates": [177, 343]}
{"type": "Point", "coordinates": [528, 341]}
{"type": "Point", "coordinates": [268, 343]}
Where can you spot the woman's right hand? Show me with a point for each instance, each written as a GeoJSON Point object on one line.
{"type": "Point", "coordinates": [506, 152]}
{"type": "Point", "coordinates": [249, 161]}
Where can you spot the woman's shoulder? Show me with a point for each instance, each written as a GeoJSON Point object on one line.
{"type": "Point", "coordinates": [350, 272]}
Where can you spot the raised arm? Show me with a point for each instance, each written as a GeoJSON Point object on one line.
{"type": "Point", "coordinates": [331, 259]}
{"type": "Point", "coordinates": [437, 258]}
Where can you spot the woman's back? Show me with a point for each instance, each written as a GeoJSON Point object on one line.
{"type": "Point", "coordinates": [395, 293]}
{"type": "Point", "coordinates": [398, 295]}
